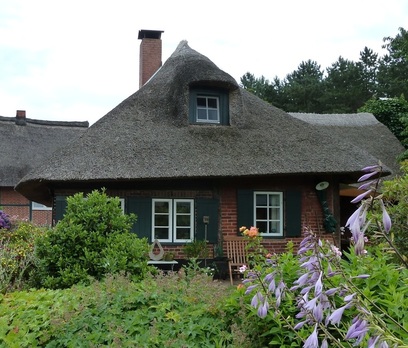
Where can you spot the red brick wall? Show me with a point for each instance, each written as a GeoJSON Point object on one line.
{"type": "Point", "coordinates": [18, 207]}
{"type": "Point", "coordinates": [312, 215]}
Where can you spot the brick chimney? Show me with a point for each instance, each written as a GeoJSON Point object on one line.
{"type": "Point", "coordinates": [21, 118]}
{"type": "Point", "coordinates": [150, 54]}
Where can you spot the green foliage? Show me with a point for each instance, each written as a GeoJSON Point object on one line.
{"type": "Point", "coordinates": [395, 194]}
{"type": "Point", "coordinates": [390, 112]}
{"type": "Point", "coordinates": [17, 258]}
{"type": "Point", "coordinates": [157, 312]}
{"type": "Point", "coordinates": [196, 249]}
{"type": "Point", "coordinates": [383, 296]}
{"type": "Point", "coordinates": [342, 87]}
{"type": "Point", "coordinates": [92, 240]}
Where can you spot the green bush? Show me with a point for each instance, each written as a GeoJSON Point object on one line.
{"type": "Point", "coordinates": [93, 239]}
{"type": "Point", "coordinates": [396, 199]}
{"type": "Point", "coordinates": [164, 311]}
{"type": "Point", "coordinates": [17, 257]}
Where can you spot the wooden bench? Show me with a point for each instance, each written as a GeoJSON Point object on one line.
{"type": "Point", "coordinates": [161, 263]}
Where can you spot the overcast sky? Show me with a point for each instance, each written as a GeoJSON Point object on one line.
{"type": "Point", "coordinates": [76, 60]}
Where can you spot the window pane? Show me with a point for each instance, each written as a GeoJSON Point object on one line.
{"type": "Point", "coordinates": [183, 207]}
{"type": "Point", "coordinates": [201, 114]}
{"type": "Point", "coordinates": [262, 226]}
{"type": "Point", "coordinates": [213, 115]}
{"type": "Point", "coordinates": [212, 103]}
{"type": "Point", "coordinates": [261, 200]}
{"type": "Point", "coordinates": [161, 207]}
{"type": "Point", "coordinates": [274, 200]}
{"type": "Point", "coordinates": [183, 233]}
{"type": "Point", "coordinates": [274, 227]}
{"type": "Point", "coordinates": [261, 213]}
{"type": "Point", "coordinates": [183, 220]}
{"type": "Point", "coordinates": [161, 220]}
{"type": "Point", "coordinates": [274, 213]}
{"type": "Point", "coordinates": [202, 102]}
{"type": "Point", "coordinates": [161, 233]}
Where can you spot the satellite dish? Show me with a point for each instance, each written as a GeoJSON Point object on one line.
{"type": "Point", "coordinates": [322, 185]}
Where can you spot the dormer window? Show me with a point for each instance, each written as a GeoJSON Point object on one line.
{"type": "Point", "coordinates": [209, 106]}
{"type": "Point", "coordinates": [208, 109]}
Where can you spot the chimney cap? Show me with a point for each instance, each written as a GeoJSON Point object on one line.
{"type": "Point", "coordinates": [150, 34]}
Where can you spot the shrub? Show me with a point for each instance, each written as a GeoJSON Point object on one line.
{"type": "Point", "coordinates": [92, 240]}
{"type": "Point", "coordinates": [17, 257]}
{"type": "Point", "coordinates": [4, 220]}
{"type": "Point", "coordinates": [164, 311]}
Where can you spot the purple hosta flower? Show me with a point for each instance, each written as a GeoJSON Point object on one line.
{"type": "Point", "coordinates": [258, 297]}
{"type": "Point", "coordinates": [300, 324]}
{"type": "Point", "coordinates": [367, 185]}
{"type": "Point", "coordinates": [357, 330]}
{"type": "Point", "coordinates": [312, 264]}
{"type": "Point", "coordinates": [332, 291]}
{"type": "Point", "coordinates": [366, 176]}
{"type": "Point", "coordinates": [318, 286]}
{"type": "Point", "coordinates": [260, 301]}
{"type": "Point", "coordinates": [325, 344]}
{"type": "Point", "coordinates": [312, 341]}
{"type": "Point", "coordinates": [318, 312]}
{"type": "Point", "coordinates": [263, 309]}
{"type": "Point", "coordinates": [362, 276]}
{"type": "Point", "coordinates": [376, 168]}
{"type": "Point", "coordinates": [348, 298]}
{"type": "Point", "coordinates": [336, 251]}
{"type": "Point", "coordinates": [361, 196]}
{"type": "Point", "coordinates": [336, 316]}
{"type": "Point", "coordinates": [372, 341]}
{"type": "Point", "coordinates": [385, 217]}
{"type": "Point", "coordinates": [250, 288]}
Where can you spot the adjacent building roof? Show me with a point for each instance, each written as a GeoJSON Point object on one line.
{"type": "Point", "coordinates": [26, 143]}
{"type": "Point", "coordinates": [362, 130]}
{"type": "Point", "coordinates": [148, 137]}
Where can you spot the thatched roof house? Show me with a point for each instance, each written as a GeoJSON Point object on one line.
{"type": "Point", "coordinates": [149, 136]}
{"type": "Point", "coordinates": [192, 133]}
{"type": "Point", "coordinates": [25, 144]}
{"type": "Point", "coordinates": [362, 130]}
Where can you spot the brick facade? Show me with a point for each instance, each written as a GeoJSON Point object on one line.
{"type": "Point", "coordinates": [311, 215]}
{"type": "Point", "coordinates": [19, 208]}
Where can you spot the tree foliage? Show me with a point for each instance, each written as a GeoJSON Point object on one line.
{"type": "Point", "coordinates": [343, 87]}
{"type": "Point", "coordinates": [392, 112]}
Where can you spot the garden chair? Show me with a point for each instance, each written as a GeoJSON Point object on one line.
{"type": "Point", "coordinates": [236, 249]}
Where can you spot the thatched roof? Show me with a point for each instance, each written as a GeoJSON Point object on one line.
{"type": "Point", "coordinates": [26, 143]}
{"type": "Point", "coordinates": [148, 137]}
{"type": "Point", "coordinates": [362, 130]}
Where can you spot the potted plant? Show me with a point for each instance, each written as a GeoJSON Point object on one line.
{"type": "Point", "coordinates": [197, 249]}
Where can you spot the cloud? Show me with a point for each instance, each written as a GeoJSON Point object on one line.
{"type": "Point", "coordinates": [57, 57]}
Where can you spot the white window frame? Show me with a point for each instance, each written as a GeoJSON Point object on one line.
{"type": "Point", "coordinates": [207, 108]}
{"type": "Point", "coordinates": [39, 206]}
{"type": "Point", "coordinates": [172, 220]}
{"type": "Point", "coordinates": [122, 204]}
{"type": "Point", "coordinates": [268, 219]}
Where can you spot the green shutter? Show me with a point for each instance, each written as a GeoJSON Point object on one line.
{"type": "Point", "coordinates": [210, 208]}
{"type": "Point", "coordinates": [245, 208]}
{"type": "Point", "coordinates": [293, 213]}
{"type": "Point", "coordinates": [142, 207]}
{"type": "Point", "coordinates": [60, 207]}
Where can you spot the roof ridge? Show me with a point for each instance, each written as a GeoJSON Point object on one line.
{"type": "Point", "coordinates": [84, 124]}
